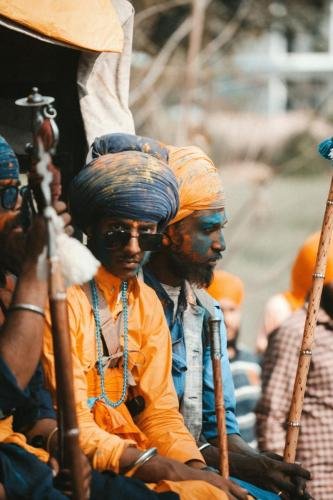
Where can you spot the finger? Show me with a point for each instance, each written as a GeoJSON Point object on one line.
{"type": "Point", "coordinates": [53, 463]}
{"type": "Point", "coordinates": [237, 491]}
{"type": "Point", "coordinates": [66, 218]}
{"type": "Point", "coordinates": [284, 485]}
{"type": "Point", "coordinates": [300, 483]}
{"type": "Point", "coordinates": [69, 230]}
{"type": "Point", "coordinates": [60, 207]}
{"type": "Point", "coordinates": [294, 470]}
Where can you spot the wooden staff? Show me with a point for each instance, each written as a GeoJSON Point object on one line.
{"type": "Point", "coordinates": [216, 354]}
{"type": "Point", "coordinates": [294, 419]}
{"type": "Point", "coordinates": [44, 139]}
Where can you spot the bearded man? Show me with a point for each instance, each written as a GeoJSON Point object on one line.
{"type": "Point", "coordinates": [126, 404]}
{"type": "Point", "coordinates": [192, 245]}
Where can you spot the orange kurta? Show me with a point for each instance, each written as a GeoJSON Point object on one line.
{"type": "Point", "coordinates": [7, 435]}
{"type": "Point", "coordinates": [160, 424]}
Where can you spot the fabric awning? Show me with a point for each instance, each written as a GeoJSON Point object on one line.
{"type": "Point", "coordinates": [85, 24]}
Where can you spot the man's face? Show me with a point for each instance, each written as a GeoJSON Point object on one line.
{"type": "Point", "coordinates": [196, 244]}
{"type": "Point", "coordinates": [12, 238]}
{"type": "Point", "coordinates": [232, 318]}
{"type": "Point", "coordinates": [125, 258]}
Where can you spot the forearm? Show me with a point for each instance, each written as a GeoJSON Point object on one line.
{"type": "Point", "coordinates": [236, 444]}
{"type": "Point", "coordinates": [22, 333]}
{"type": "Point", "coordinates": [237, 462]}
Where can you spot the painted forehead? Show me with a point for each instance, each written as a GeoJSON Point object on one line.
{"type": "Point", "coordinates": [209, 216]}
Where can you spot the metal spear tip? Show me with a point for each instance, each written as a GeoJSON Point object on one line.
{"type": "Point", "coordinates": [34, 99]}
{"type": "Point", "coordinates": [325, 149]}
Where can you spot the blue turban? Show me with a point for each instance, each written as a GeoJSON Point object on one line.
{"type": "Point", "coordinates": [9, 166]}
{"type": "Point", "coordinates": [116, 143]}
{"type": "Point", "coordinates": [130, 185]}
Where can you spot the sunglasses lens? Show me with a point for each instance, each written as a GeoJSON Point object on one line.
{"type": "Point", "coordinates": [147, 241]}
{"type": "Point", "coordinates": [9, 197]}
{"type": "Point", "coordinates": [116, 239]}
{"type": "Point", "coordinates": [150, 242]}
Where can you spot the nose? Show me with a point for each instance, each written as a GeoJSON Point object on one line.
{"type": "Point", "coordinates": [18, 203]}
{"type": "Point", "coordinates": [132, 247]}
{"type": "Point", "coordinates": [218, 244]}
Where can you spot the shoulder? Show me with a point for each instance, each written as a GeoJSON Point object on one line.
{"type": "Point", "coordinates": [284, 342]}
{"type": "Point", "coordinates": [205, 300]}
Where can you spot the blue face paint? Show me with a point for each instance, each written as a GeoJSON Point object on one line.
{"type": "Point", "coordinates": [207, 232]}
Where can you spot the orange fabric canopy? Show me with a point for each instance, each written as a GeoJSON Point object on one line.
{"type": "Point", "coordinates": [87, 25]}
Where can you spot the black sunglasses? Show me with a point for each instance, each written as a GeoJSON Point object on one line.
{"type": "Point", "coordinates": [147, 241]}
{"type": "Point", "coordinates": [9, 195]}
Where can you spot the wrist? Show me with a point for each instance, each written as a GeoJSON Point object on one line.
{"type": "Point", "coordinates": [196, 464]}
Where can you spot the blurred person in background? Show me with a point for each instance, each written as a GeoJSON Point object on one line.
{"type": "Point", "coordinates": [315, 443]}
{"type": "Point", "coordinates": [281, 305]}
{"type": "Point", "coordinates": [228, 290]}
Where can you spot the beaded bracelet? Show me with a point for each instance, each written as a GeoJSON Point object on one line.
{"type": "Point", "coordinates": [142, 459]}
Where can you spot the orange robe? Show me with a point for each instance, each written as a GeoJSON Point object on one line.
{"type": "Point", "coordinates": [104, 431]}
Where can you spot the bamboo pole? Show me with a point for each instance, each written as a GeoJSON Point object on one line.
{"type": "Point", "coordinates": [304, 360]}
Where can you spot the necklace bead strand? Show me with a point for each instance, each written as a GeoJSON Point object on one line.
{"type": "Point", "coordinates": [98, 332]}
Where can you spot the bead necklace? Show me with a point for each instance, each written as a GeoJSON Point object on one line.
{"type": "Point", "coordinates": [98, 333]}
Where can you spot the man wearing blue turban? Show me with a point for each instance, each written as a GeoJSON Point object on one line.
{"type": "Point", "coordinates": [126, 403]}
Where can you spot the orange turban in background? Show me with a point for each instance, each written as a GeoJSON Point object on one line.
{"type": "Point", "coordinates": [200, 185]}
{"type": "Point", "coordinates": [226, 286]}
{"type": "Point", "coordinates": [303, 268]}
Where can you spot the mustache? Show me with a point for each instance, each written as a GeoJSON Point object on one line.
{"type": "Point", "coordinates": [216, 257]}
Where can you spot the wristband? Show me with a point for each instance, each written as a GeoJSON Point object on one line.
{"type": "Point", "coordinates": [27, 307]}
{"type": "Point", "coordinates": [142, 459]}
{"type": "Point", "coordinates": [203, 446]}
{"type": "Point", "coordinates": [49, 438]}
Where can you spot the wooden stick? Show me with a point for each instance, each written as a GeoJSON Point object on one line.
{"type": "Point", "coordinates": [68, 437]}
{"type": "Point", "coordinates": [216, 354]}
{"type": "Point", "coordinates": [45, 135]}
{"type": "Point", "coordinates": [308, 335]}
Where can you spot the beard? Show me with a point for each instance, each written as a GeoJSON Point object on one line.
{"type": "Point", "coordinates": [199, 274]}
{"type": "Point", "coordinates": [12, 245]}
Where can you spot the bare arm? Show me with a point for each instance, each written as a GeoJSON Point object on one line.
{"type": "Point", "coordinates": [22, 332]}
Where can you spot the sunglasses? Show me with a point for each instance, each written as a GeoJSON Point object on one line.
{"type": "Point", "coordinates": [147, 241]}
{"type": "Point", "coordinates": [9, 195]}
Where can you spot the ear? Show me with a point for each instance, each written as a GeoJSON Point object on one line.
{"type": "Point", "coordinates": [166, 242]}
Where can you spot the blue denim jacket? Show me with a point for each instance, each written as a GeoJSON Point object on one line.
{"type": "Point", "coordinates": [209, 424]}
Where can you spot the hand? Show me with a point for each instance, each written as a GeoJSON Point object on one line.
{"type": "Point", "coordinates": [61, 209]}
{"type": "Point", "coordinates": [270, 472]}
{"type": "Point", "coordinates": [37, 233]}
{"type": "Point", "coordinates": [63, 480]}
{"type": "Point", "coordinates": [159, 468]}
{"type": "Point", "coordinates": [298, 478]}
